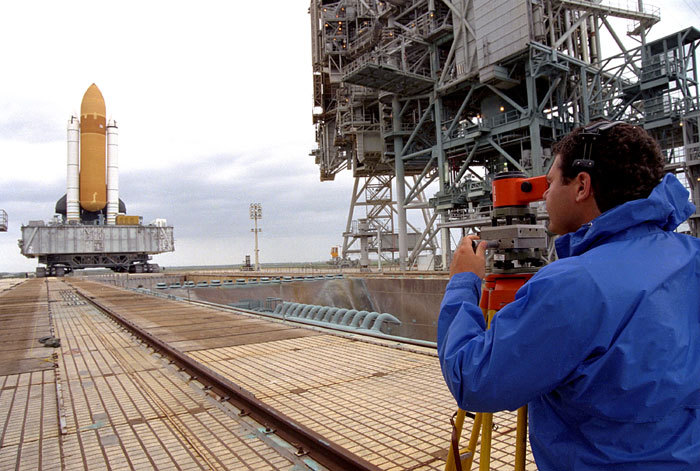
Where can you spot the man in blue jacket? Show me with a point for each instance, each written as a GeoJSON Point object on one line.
{"type": "Point", "coordinates": [603, 344]}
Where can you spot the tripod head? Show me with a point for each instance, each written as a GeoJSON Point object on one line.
{"type": "Point", "coordinates": [515, 237]}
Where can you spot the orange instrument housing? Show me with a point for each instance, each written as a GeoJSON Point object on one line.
{"type": "Point", "coordinates": [518, 191]}
{"type": "Point", "coordinates": [499, 290]}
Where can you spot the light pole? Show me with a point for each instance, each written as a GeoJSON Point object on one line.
{"type": "Point", "coordinates": [255, 214]}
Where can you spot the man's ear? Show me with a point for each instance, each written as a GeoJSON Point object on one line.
{"type": "Point", "coordinates": [584, 187]}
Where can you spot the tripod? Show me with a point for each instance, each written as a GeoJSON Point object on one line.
{"type": "Point", "coordinates": [517, 242]}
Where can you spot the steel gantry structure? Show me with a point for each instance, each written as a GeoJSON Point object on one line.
{"type": "Point", "coordinates": [447, 93]}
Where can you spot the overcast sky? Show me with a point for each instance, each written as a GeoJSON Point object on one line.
{"type": "Point", "coordinates": [213, 101]}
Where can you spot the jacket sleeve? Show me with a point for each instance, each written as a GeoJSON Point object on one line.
{"type": "Point", "coordinates": [533, 344]}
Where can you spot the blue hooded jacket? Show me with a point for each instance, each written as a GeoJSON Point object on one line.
{"type": "Point", "coordinates": [603, 344]}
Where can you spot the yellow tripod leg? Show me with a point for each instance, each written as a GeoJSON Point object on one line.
{"type": "Point", "coordinates": [473, 439]}
{"type": "Point", "coordinates": [466, 463]}
{"type": "Point", "coordinates": [521, 439]}
{"type": "Point", "coordinates": [457, 433]}
{"type": "Point", "coordinates": [487, 420]}
{"type": "Point", "coordinates": [485, 455]}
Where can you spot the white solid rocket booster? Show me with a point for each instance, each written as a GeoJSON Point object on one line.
{"type": "Point", "coordinates": [72, 188]}
{"type": "Point", "coordinates": [112, 172]}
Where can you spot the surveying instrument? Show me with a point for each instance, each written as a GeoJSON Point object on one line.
{"type": "Point", "coordinates": [517, 245]}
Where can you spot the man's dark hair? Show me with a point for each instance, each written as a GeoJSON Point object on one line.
{"type": "Point", "coordinates": [628, 163]}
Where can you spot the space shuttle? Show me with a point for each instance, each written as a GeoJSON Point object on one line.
{"type": "Point", "coordinates": [92, 182]}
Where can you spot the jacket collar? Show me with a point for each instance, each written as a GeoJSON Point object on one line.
{"type": "Point", "coordinates": [665, 209]}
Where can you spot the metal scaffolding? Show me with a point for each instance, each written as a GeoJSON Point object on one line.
{"type": "Point", "coordinates": [449, 93]}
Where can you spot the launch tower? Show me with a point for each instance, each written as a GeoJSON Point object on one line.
{"type": "Point", "coordinates": [91, 228]}
{"type": "Point", "coordinates": [450, 92]}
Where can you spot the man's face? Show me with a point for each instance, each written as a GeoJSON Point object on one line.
{"type": "Point", "coordinates": [560, 200]}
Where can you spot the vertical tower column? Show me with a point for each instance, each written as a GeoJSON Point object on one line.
{"type": "Point", "coordinates": [347, 236]}
{"type": "Point", "coordinates": [642, 30]}
{"type": "Point", "coordinates": [536, 153]}
{"type": "Point", "coordinates": [112, 172]}
{"type": "Point", "coordinates": [73, 172]}
{"type": "Point", "coordinates": [442, 175]}
{"type": "Point", "coordinates": [363, 231]}
{"type": "Point", "coordinates": [400, 182]}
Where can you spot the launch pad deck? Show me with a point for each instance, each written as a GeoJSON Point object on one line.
{"type": "Point", "coordinates": [102, 400]}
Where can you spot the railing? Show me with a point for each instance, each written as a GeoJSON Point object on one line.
{"type": "Point", "coordinates": [475, 214]}
{"type": "Point", "coordinates": [677, 157]}
{"type": "Point", "coordinates": [503, 118]}
{"type": "Point", "coordinates": [463, 128]}
{"type": "Point", "coordinates": [429, 22]}
{"type": "Point", "coordinates": [659, 67]}
{"type": "Point", "coordinates": [380, 59]}
{"type": "Point", "coordinates": [364, 59]}
{"type": "Point", "coordinates": [633, 5]}
{"type": "Point", "coordinates": [665, 105]}
{"type": "Point", "coordinates": [628, 5]}
{"type": "Point", "coordinates": [364, 36]}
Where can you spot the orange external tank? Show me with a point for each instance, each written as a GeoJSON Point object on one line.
{"type": "Point", "coordinates": [93, 126]}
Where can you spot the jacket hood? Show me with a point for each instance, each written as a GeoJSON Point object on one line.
{"type": "Point", "coordinates": [666, 207]}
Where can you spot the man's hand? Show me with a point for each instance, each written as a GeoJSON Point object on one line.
{"type": "Point", "coordinates": [465, 260]}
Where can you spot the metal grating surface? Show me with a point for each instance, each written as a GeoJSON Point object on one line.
{"type": "Point", "coordinates": [28, 421]}
{"type": "Point", "coordinates": [112, 404]}
{"type": "Point", "coordinates": [389, 406]}
{"type": "Point", "coordinates": [23, 320]}
{"type": "Point", "coordinates": [386, 405]}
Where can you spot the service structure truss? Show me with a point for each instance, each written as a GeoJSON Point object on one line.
{"type": "Point", "coordinates": [442, 95]}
